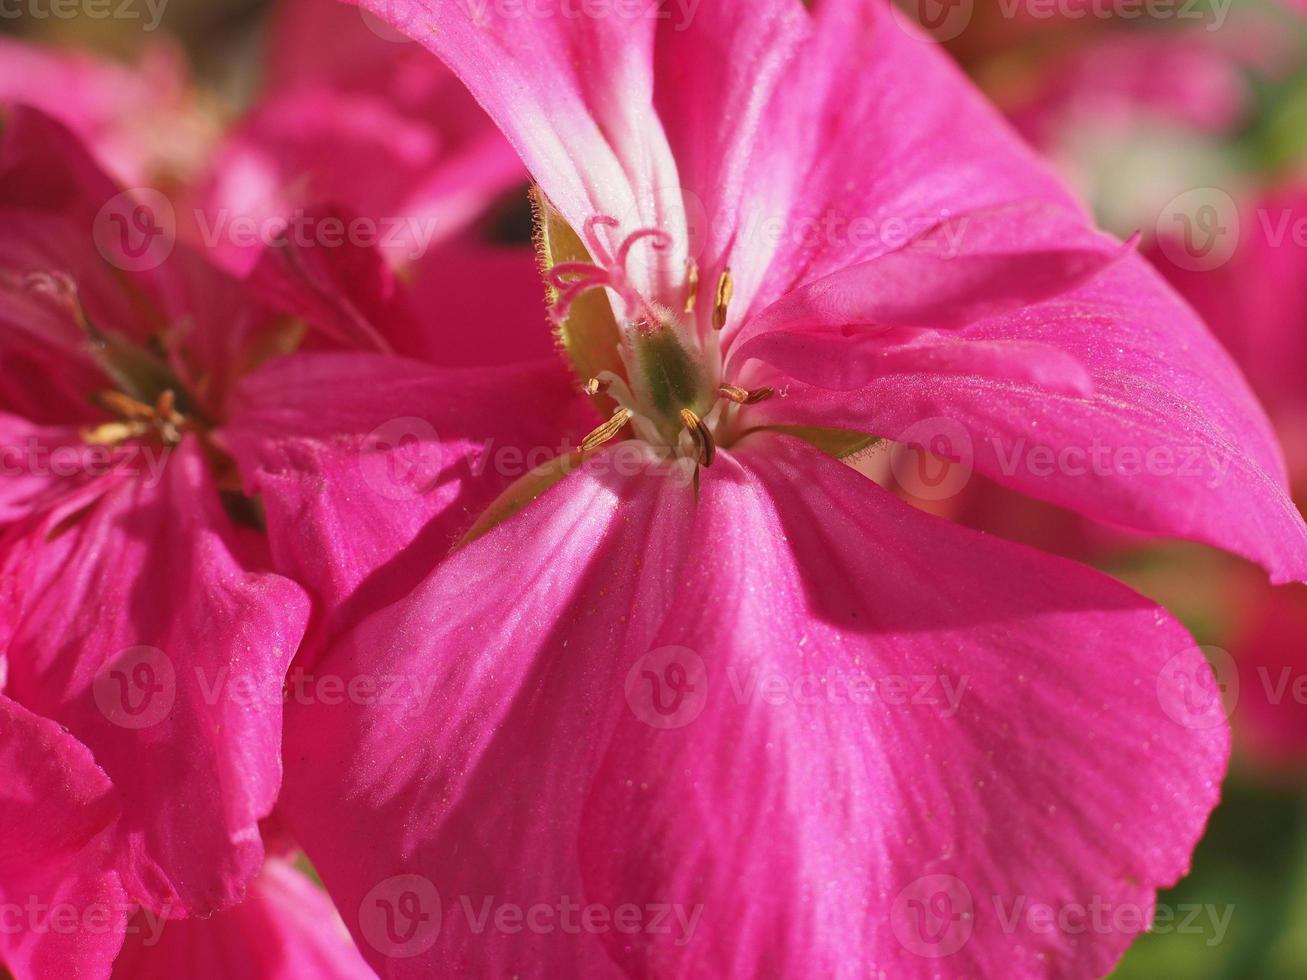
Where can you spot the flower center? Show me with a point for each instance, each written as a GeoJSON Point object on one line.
{"type": "Point", "coordinates": [666, 376]}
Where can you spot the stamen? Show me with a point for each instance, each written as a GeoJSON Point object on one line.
{"type": "Point", "coordinates": [137, 419]}
{"type": "Point", "coordinates": [702, 436]}
{"type": "Point", "coordinates": [691, 284]}
{"type": "Point", "coordinates": [725, 290]}
{"type": "Point", "coordinates": [744, 396]}
{"type": "Point", "coordinates": [125, 406]}
{"type": "Point", "coordinates": [606, 431]}
{"type": "Point", "coordinates": [113, 433]}
{"type": "Point", "coordinates": [597, 386]}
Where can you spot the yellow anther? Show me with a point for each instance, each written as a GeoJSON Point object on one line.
{"type": "Point", "coordinates": [702, 436]}
{"type": "Point", "coordinates": [744, 396]}
{"type": "Point", "coordinates": [606, 431]}
{"type": "Point", "coordinates": [725, 290]}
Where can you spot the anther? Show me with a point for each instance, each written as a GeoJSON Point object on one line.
{"type": "Point", "coordinates": [606, 431]}
{"type": "Point", "coordinates": [691, 284]}
{"type": "Point", "coordinates": [725, 290]}
{"type": "Point", "coordinates": [744, 396]}
{"type": "Point", "coordinates": [596, 386]}
{"type": "Point", "coordinates": [702, 436]}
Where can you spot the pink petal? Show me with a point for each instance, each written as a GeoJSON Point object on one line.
{"type": "Point", "coordinates": [496, 289]}
{"type": "Point", "coordinates": [119, 111]}
{"type": "Point", "coordinates": [978, 265]}
{"type": "Point", "coordinates": [830, 778]}
{"type": "Point", "coordinates": [346, 291]}
{"type": "Point", "coordinates": [1171, 442]}
{"type": "Point", "coordinates": [587, 564]}
{"type": "Point", "coordinates": [136, 627]}
{"type": "Point", "coordinates": [847, 172]}
{"type": "Point", "coordinates": [368, 466]}
{"type": "Point", "coordinates": [65, 907]}
{"type": "Point", "coordinates": [550, 84]}
{"type": "Point", "coordinates": [524, 656]}
{"type": "Point", "coordinates": [286, 929]}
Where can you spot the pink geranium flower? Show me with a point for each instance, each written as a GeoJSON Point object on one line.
{"type": "Point", "coordinates": [350, 114]}
{"type": "Point", "coordinates": [679, 705]}
{"type": "Point", "coordinates": [135, 597]}
{"type": "Point", "coordinates": [145, 640]}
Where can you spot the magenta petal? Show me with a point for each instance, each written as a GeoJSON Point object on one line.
{"type": "Point", "coordinates": [525, 663]}
{"type": "Point", "coordinates": [65, 907]}
{"type": "Point", "coordinates": [880, 725]}
{"type": "Point", "coordinates": [1171, 442]}
{"type": "Point", "coordinates": [359, 458]}
{"type": "Point", "coordinates": [844, 362]}
{"type": "Point", "coordinates": [574, 95]}
{"type": "Point", "coordinates": [286, 929]}
{"type": "Point", "coordinates": [969, 268]}
{"type": "Point", "coordinates": [505, 661]}
{"type": "Point", "coordinates": [846, 172]}
{"type": "Point", "coordinates": [136, 626]}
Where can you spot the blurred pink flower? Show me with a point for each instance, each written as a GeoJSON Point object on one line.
{"type": "Point", "coordinates": [134, 607]}
{"type": "Point", "coordinates": [358, 118]}
{"type": "Point", "coordinates": [573, 713]}
{"type": "Point", "coordinates": [353, 114]}
{"type": "Point", "coordinates": [142, 121]}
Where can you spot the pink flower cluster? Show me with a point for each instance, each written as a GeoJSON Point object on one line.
{"type": "Point", "coordinates": [600, 660]}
